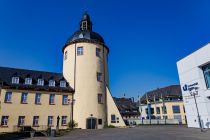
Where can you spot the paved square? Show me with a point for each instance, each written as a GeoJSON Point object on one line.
{"type": "Point", "coordinates": [138, 133]}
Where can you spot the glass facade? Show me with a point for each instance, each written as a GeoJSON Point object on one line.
{"type": "Point", "coordinates": [206, 71]}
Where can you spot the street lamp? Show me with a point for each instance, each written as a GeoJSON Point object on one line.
{"type": "Point", "coordinates": [194, 93]}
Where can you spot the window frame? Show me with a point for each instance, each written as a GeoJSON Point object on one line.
{"type": "Point", "coordinates": [50, 121]}
{"type": "Point", "coordinates": [64, 119]}
{"type": "Point", "coordinates": [4, 120]}
{"type": "Point", "coordinates": [15, 80]}
{"type": "Point", "coordinates": [98, 52]}
{"type": "Point", "coordinates": [24, 98]}
{"type": "Point", "coordinates": [28, 81]}
{"type": "Point", "coordinates": [100, 98]}
{"type": "Point", "coordinates": [99, 76]}
{"type": "Point", "coordinates": [65, 101]}
{"type": "Point", "coordinates": [52, 103]}
{"type": "Point", "coordinates": [38, 96]}
{"type": "Point", "coordinates": [21, 120]}
{"type": "Point", "coordinates": [36, 121]}
{"type": "Point", "coordinates": [206, 71]}
{"type": "Point", "coordinates": [80, 51]}
{"type": "Point", "coordinates": [113, 118]}
{"type": "Point", "coordinates": [40, 82]}
{"type": "Point", "coordinates": [66, 55]}
{"type": "Point", "coordinates": [8, 95]}
{"type": "Point", "coordinates": [176, 111]}
{"type": "Point", "coordinates": [51, 83]}
{"type": "Point", "coordinates": [63, 84]}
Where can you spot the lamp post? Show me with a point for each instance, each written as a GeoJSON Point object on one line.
{"type": "Point", "coordinates": [196, 105]}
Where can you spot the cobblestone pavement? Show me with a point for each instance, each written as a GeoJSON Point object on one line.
{"type": "Point", "coordinates": [137, 133]}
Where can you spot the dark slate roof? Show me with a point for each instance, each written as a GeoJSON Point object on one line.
{"type": "Point", "coordinates": [127, 106]}
{"type": "Point", "coordinates": [85, 35]}
{"type": "Point", "coordinates": [172, 92]}
{"type": "Point", "coordinates": [6, 75]}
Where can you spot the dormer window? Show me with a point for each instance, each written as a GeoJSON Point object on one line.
{"type": "Point", "coordinates": [40, 82]}
{"type": "Point", "coordinates": [28, 81]}
{"type": "Point", "coordinates": [15, 80]}
{"type": "Point", "coordinates": [51, 83]}
{"type": "Point", "coordinates": [62, 83]}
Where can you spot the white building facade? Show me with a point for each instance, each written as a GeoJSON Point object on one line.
{"type": "Point", "coordinates": [194, 76]}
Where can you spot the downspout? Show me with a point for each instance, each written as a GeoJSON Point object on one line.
{"type": "Point", "coordinates": [72, 112]}
{"type": "Point", "coordinates": [106, 109]}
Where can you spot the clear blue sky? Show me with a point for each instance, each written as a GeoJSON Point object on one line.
{"type": "Point", "coordinates": [145, 37]}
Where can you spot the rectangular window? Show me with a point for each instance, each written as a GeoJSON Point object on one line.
{"type": "Point", "coordinates": [80, 51]}
{"type": "Point", "coordinates": [8, 97]}
{"type": "Point", "coordinates": [24, 98]}
{"type": "Point", "coordinates": [157, 110]}
{"type": "Point", "coordinates": [62, 83]}
{"type": "Point", "coordinates": [15, 80]}
{"type": "Point", "coordinates": [113, 118]}
{"type": "Point", "coordinates": [4, 120]}
{"type": "Point", "coordinates": [21, 120]}
{"type": "Point", "coordinates": [52, 99]}
{"type": "Point", "coordinates": [98, 52]}
{"type": "Point", "coordinates": [28, 81]}
{"type": "Point", "coordinates": [36, 121]}
{"type": "Point", "coordinates": [65, 99]}
{"type": "Point", "coordinates": [206, 72]}
{"type": "Point", "coordinates": [65, 55]}
{"type": "Point", "coordinates": [40, 82]}
{"type": "Point", "coordinates": [99, 121]}
{"type": "Point", "coordinates": [176, 109]}
{"type": "Point", "coordinates": [38, 98]}
{"type": "Point", "coordinates": [64, 120]}
{"type": "Point", "coordinates": [164, 110]}
{"type": "Point", "coordinates": [51, 83]}
{"type": "Point", "coordinates": [50, 120]}
{"type": "Point", "coordinates": [99, 76]}
{"type": "Point", "coordinates": [100, 98]}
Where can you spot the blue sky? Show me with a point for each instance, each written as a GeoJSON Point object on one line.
{"type": "Point", "coordinates": [145, 37]}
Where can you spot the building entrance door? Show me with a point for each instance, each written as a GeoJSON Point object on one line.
{"type": "Point", "coordinates": [91, 123]}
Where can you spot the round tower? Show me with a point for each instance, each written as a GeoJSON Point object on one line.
{"type": "Point", "coordinates": [85, 67]}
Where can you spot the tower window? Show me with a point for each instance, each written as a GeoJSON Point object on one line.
{"type": "Point", "coordinates": [80, 51]}
{"type": "Point", "coordinates": [84, 25]}
{"type": "Point", "coordinates": [65, 55]}
{"type": "Point", "coordinates": [100, 98]}
{"type": "Point", "coordinates": [98, 52]}
{"type": "Point", "coordinates": [99, 76]}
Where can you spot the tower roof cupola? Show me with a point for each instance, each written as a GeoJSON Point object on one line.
{"type": "Point", "coordinates": [86, 23]}
{"type": "Point", "coordinates": [85, 33]}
